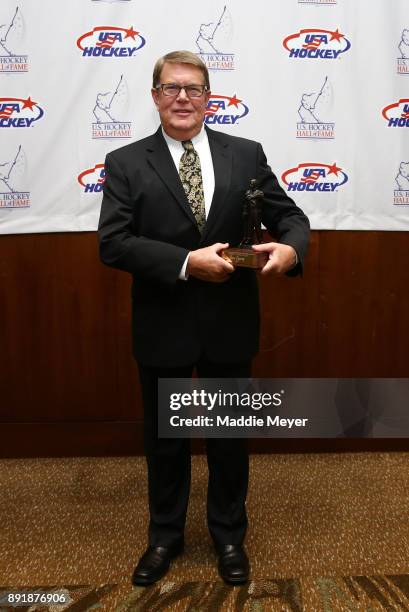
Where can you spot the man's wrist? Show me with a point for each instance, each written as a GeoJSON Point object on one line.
{"type": "Point", "coordinates": [295, 258]}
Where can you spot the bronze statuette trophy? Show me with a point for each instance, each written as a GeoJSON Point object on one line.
{"type": "Point", "coordinates": [243, 255]}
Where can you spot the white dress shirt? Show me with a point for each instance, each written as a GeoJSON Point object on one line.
{"type": "Point", "coordinates": [201, 145]}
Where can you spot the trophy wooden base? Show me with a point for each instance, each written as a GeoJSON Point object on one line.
{"type": "Point", "coordinates": [245, 257]}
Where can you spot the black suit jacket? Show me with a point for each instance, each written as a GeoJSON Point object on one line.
{"type": "Point", "coordinates": [147, 228]}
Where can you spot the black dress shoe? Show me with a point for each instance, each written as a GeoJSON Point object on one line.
{"type": "Point", "coordinates": [154, 564]}
{"type": "Point", "coordinates": [233, 564]}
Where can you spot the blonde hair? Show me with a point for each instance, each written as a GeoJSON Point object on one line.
{"type": "Point", "coordinates": [179, 57]}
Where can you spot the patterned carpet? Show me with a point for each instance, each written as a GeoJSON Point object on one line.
{"type": "Point", "coordinates": [327, 532]}
{"type": "Point", "coordinates": [326, 594]}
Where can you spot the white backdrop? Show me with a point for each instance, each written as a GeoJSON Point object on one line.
{"type": "Point", "coordinates": [323, 85]}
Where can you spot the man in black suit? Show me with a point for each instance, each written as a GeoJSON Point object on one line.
{"type": "Point", "coordinates": [172, 202]}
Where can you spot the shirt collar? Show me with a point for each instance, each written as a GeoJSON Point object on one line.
{"type": "Point", "coordinates": [196, 140]}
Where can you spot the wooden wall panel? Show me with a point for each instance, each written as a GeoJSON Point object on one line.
{"type": "Point", "coordinates": [364, 304]}
{"type": "Point", "coordinates": [65, 342]}
{"type": "Point", "coordinates": [290, 323]}
{"type": "Point", "coordinates": [66, 345]}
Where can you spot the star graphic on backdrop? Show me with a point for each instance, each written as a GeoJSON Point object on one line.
{"type": "Point", "coordinates": [336, 36]}
{"type": "Point", "coordinates": [131, 33]}
{"type": "Point", "coordinates": [334, 169]}
{"type": "Point", "coordinates": [29, 103]}
{"type": "Point", "coordinates": [234, 101]}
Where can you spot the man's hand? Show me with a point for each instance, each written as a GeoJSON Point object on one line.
{"type": "Point", "coordinates": [208, 265]}
{"type": "Point", "coordinates": [281, 257]}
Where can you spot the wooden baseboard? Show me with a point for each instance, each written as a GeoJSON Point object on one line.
{"type": "Point", "coordinates": [71, 439]}
{"type": "Point", "coordinates": [113, 438]}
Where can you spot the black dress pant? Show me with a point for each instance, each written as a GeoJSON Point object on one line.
{"type": "Point", "coordinates": [168, 463]}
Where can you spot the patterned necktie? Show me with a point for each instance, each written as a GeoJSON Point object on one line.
{"type": "Point", "coordinates": [191, 177]}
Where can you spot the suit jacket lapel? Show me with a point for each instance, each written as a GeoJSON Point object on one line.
{"type": "Point", "coordinates": [222, 166]}
{"type": "Point", "coordinates": [160, 159]}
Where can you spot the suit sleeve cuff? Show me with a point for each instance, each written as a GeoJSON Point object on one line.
{"type": "Point", "coordinates": [182, 274]}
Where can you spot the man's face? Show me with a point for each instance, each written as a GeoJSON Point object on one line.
{"type": "Point", "coordinates": [181, 116]}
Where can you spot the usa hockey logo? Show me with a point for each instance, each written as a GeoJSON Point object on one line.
{"type": "Point", "coordinates": [315, 43]}
{"type": "Point", "coordinates": [312, 114]}
{"type": "Point", "coordinates": [397, 114]}
{"type": "Point", "coordinates": [312, 176]}
{"type": "Point", "coordinates": [401, 193]}
{"type": "Point", "coordinates": [13, 179]}
{"type": "Point", "coordinates": [403, 59]}
{"type": "Point", "coordinates": [225, 110]}
{"type": "Point", "coordinates": [110, 41]}
{"type": "Point", "coordinates": [13, 58]}
{"type": "Point", "coordinates": [92, 180]}
{"type": "Point", "coordinates": [108, 113]}
{"type": "Point", "coordinates": [213, 39]}
{"type": "Point", "coordinates": [19, 112]}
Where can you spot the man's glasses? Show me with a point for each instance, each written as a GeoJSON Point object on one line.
{"type": "Point", "coordinates": [172, 90]}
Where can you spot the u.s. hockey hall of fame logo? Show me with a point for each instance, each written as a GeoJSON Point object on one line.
{"type": "Point", "coordinates": [313, 112]}
{"type": "Point", "coordinates": [213, 39]}
{"type": "Point", "coordinates": [13, 179]}
{"type": "Point", "coordinates": [109, 110]}
{"type": "Point", "coordinates": [403, 59]}
{"type": "Point", "coordinates": [319, 2]}
{"type": "Point", "coordinates": [401, 192]}
{"type": "Point", "coordinates": [13, 56]}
